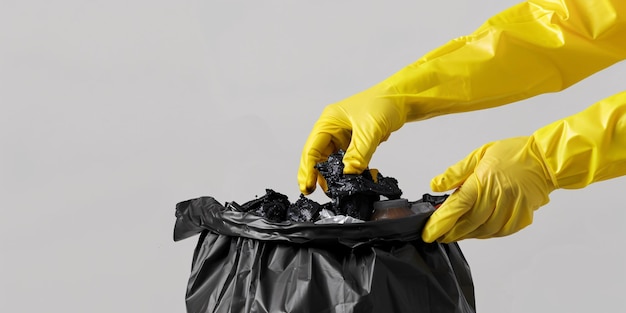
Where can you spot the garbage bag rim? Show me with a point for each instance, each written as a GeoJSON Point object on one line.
{"type": "Point", "coordinates": [206, 213]}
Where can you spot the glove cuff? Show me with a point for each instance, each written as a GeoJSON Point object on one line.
{"type": "Point", "coordinates": [535, 150]}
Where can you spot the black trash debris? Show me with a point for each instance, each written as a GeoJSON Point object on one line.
{"type": "Point", "coordinates": [353, 195]}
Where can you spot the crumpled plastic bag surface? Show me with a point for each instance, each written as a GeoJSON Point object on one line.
{"type": "Point", "coordinates": [245, 263]}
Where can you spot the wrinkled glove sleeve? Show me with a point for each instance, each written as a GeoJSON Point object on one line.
{"type": "Point", "coordinates": [586, 147]}
{"type": "Point", "coordinates": [532, 48]}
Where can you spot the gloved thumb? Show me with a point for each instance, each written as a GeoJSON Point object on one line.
{"type": "Point", "coordinates": [458, 173]}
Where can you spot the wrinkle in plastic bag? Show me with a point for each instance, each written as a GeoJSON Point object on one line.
{"type": "Point", "coordinates": [244, 263]}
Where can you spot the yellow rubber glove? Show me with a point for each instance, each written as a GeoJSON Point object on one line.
{"type": "Point", "coordinates": [356, 125]}
{"type": "Point", "coordinates": [501, 184]}
{"type": "Point", "coordinates": [532, 48]}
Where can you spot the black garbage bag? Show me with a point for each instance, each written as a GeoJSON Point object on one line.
{"type": "Point", "coordinates": [246, 263]}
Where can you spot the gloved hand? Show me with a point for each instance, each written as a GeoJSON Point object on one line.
{"type": "Point", "coordinates": [500, 184]}
{"type": "Point", "coordinates": [498, 187]}
{"type": "Point", "coordinates": [356, 125]}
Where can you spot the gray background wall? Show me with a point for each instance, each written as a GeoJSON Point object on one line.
{"type": "Point", "coordinates": [113, 111]}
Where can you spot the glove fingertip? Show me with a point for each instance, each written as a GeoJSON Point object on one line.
{"type": "Point", "coordinates": [439, 184]}
{"type": "Point", "coordinates": [455, 175]}
{"type": "Point", "coordinates": [353, 165]}
{"type": "Point", "coordinates": [446, 181]}
{"type": "Point", "coordinates": [307, 181]}
{"type": "Point", "coordinates": [441, 224]}
{"type": "Point", "coordinates": [435, 227]}
{"type": "Point", "coordinates": [306, 189]}
{"type": "Point", "coordinates": [428, 236]}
